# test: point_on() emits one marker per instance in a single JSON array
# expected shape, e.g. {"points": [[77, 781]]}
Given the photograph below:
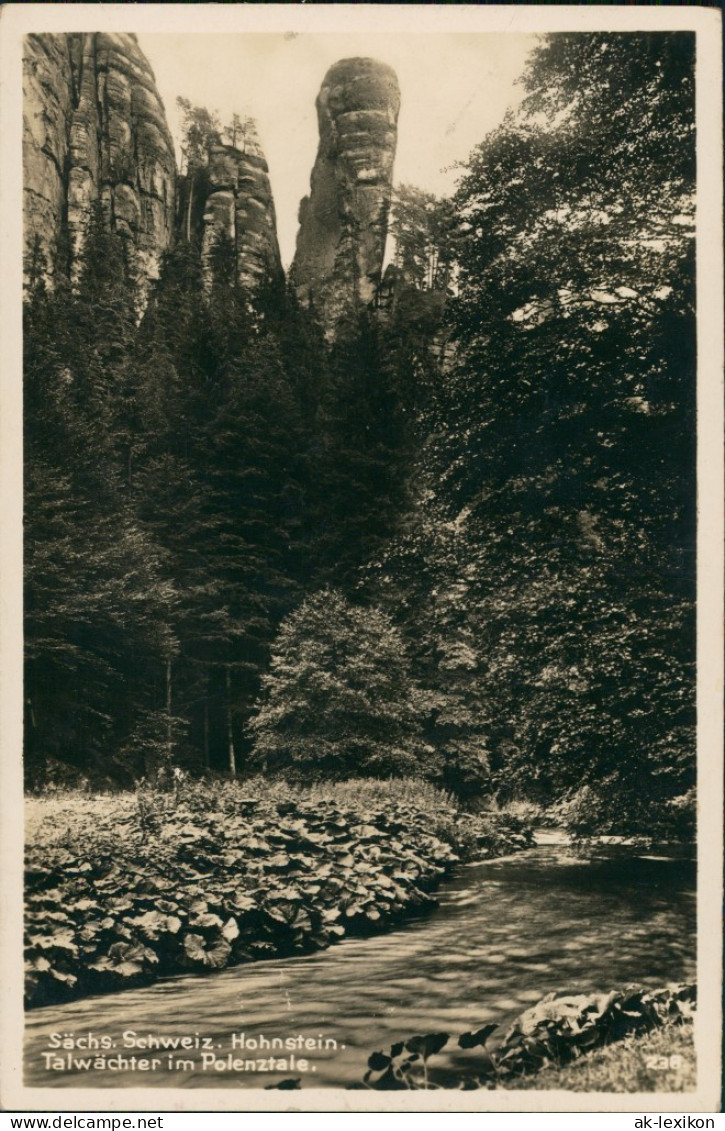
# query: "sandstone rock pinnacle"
{"points": [[94, 128], [239, 204], [343, 222]]}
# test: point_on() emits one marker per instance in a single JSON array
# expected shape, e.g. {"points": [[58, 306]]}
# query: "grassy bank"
{"points": [[661, 1061], [630, 1039], [122, 889]]}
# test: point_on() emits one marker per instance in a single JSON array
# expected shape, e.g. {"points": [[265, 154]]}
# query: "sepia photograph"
{"points": [[360, 732]]}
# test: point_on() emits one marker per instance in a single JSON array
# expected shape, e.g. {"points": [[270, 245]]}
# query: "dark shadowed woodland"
{"points": [[426, 515], [438, 524]]}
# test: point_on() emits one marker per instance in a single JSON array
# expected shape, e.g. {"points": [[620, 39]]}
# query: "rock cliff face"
{"points": [[237, 203], [95, 131], [47, 111], [94, 128], [343, 222]]}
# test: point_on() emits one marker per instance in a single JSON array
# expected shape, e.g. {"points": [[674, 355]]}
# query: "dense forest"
{"points": [[455, 542]]}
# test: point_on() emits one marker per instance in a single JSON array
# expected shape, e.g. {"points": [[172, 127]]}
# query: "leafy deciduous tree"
{"points": [[338, 700], [557, 529]]}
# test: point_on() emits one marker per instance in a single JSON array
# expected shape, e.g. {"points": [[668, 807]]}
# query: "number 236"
{"points": [[663, 1063]]}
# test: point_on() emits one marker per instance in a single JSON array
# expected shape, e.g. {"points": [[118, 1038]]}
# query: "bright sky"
{"points": [[454, 89]]}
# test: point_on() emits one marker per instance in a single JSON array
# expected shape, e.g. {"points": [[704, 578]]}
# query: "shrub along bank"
{"points": [[123, 890], [555, 1032], [662, 1060], [628, 1040]]}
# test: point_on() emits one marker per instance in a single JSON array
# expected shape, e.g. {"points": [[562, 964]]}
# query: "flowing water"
{"points": [[506, 932]]}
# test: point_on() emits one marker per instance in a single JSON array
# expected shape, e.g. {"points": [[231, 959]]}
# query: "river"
{"points": [[506, 932]]}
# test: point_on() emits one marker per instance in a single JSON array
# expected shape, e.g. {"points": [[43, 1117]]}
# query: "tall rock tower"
{"points": [[344, 220], [241, 197], [231, 196], [94, 129]]}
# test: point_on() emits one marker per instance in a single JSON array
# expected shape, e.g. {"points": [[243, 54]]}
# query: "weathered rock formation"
{"points": [[94, 129], [343, 222], [47, 111], [236, 197]]}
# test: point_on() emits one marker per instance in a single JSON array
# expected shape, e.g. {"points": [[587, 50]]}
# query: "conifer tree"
{"points": [[364, 432], [218, 485], [94, 596]]}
